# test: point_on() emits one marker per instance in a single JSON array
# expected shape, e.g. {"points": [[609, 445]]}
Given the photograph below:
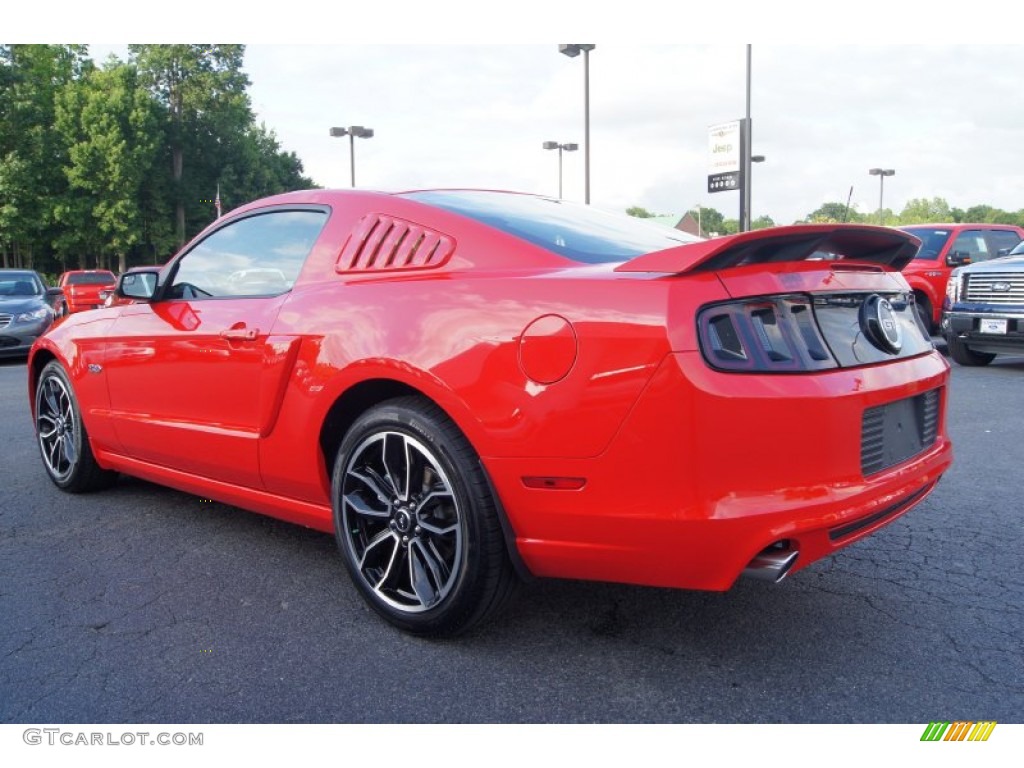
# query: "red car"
{"points": [[470, 386], [946, 246], [82, 289]]}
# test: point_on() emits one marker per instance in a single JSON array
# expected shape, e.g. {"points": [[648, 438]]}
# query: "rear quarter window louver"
{"points": [[388, 244]]}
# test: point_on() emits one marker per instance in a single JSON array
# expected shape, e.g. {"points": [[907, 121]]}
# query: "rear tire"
{"points": [[63, 441], [964, 355], [415, 521]]}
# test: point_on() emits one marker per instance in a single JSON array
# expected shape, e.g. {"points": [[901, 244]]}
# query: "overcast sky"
{"points": [[948, 118]]}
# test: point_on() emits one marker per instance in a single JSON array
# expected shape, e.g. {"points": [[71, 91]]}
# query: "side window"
{"points": [[259, 255], [1002, 241], [972, 243]]}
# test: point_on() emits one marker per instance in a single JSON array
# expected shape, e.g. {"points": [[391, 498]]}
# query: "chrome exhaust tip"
{"points": [[771, 565]]}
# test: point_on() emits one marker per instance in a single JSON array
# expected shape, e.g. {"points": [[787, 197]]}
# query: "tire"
{"points": [[63, 441], [964, 355], [415, 521], [924, 313]]}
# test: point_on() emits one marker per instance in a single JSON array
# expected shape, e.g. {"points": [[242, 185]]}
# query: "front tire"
{"points": [[964, 355], [415, 521], [63, 441], [924, 312]]}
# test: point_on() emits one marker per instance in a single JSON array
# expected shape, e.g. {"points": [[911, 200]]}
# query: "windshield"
{"points": [[574, 231], [932, 241], [19, 285]]}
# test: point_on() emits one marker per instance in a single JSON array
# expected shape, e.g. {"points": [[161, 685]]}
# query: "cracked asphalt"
{"points": [[145, 605]]}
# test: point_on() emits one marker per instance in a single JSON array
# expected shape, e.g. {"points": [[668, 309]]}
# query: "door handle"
{"points": [[240, 334]]}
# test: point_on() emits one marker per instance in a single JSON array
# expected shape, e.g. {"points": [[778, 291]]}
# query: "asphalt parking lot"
{"points": [[145, 605]]}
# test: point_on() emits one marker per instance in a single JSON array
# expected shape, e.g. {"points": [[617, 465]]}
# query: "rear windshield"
{"points": [[932, 241], [92, 278], [577, 232]]}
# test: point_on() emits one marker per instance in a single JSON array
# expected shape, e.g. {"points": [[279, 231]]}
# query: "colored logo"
{"points": [[959, 731]]}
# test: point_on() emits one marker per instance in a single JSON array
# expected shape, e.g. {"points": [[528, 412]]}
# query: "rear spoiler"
{"points": [[891, 248]]}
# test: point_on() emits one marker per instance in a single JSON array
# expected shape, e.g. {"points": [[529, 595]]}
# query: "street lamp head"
{"points": [[570, 147], [757, 158], [550, 145], [882, 171], [353, 130], [573, 49]]}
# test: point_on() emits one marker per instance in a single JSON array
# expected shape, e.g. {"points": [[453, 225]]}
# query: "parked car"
{"points": [[984, 310], [83, 288], [945, 246], [26, 310], [466, 385]]}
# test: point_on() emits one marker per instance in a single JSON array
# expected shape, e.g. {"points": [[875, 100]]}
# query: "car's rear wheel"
{"points": [[964, 355], [416, 522], [63, 441]]}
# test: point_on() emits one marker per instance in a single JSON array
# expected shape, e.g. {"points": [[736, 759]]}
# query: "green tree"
{"points": [[638, 212], [31, 155], [112, 128], [762, 222], [711, 221], [202, 88], [834, 213], [925, 211], [258, 167]]}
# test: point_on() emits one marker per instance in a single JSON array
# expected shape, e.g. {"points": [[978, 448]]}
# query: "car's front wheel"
{"points": [[63, 442], [416, 522], [964, 355]]}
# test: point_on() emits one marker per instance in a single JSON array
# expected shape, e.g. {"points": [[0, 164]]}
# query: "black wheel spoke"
{"points": [[358, 503]]}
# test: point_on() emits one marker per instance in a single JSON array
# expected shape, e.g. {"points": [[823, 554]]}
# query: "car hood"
{"points": [[14, 305], [1004, 264]]}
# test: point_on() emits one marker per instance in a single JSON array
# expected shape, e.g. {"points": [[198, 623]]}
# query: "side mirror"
{"points": [[957, 258], [1002, 252], [54, 296], [139, 285]]}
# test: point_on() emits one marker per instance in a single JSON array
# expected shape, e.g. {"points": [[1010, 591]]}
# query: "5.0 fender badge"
{"points": [[880, 325], [94, 368]]}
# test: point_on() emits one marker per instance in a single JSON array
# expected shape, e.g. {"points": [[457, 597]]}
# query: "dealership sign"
{"points": [[725, 141]]}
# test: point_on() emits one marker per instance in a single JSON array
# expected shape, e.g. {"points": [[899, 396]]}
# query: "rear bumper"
{"points": [[709, 469]]}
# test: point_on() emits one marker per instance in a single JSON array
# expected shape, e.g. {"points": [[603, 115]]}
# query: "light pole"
{"points": [[747, 142], [560, 147], [881, 173], [352, 131], [573, 50]]}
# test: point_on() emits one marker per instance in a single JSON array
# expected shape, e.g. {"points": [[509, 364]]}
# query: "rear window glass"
{"points": [[92, 278], [578, 232], [1003, 241]]}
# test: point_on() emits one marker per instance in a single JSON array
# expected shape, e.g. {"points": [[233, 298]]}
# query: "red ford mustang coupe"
{"points": [[467, 387]]}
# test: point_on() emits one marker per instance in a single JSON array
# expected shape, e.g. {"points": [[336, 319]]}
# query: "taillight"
{"points": [[777, 334]]}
